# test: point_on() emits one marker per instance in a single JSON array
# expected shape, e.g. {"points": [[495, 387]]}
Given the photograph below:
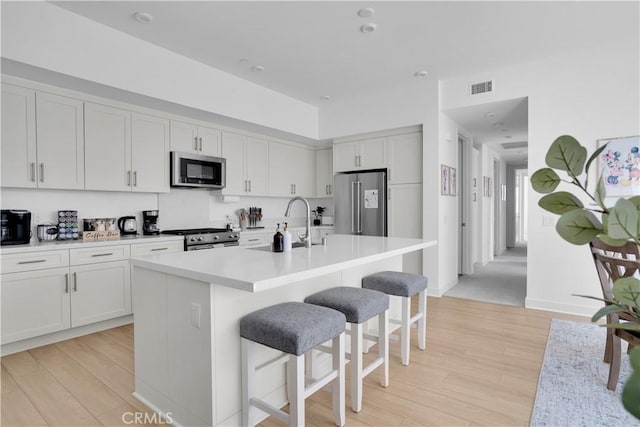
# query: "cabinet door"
{"points": [[256, 158], [60, 142], [324, 173], [345, 157], [282, 168], [100, 292], [149, 153], [406, 198], [107, 148], [233, 152], [304, 173], [405, 158], [18, 137], [372, 154], [184, 137], [209, 141], [34, 303]]}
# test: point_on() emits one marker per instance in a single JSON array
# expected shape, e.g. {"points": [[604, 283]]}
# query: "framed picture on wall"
{"points": [[444, 180], [619, 166], [452, 181]]}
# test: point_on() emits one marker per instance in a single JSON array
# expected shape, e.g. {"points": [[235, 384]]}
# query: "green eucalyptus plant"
{"points": [[579, 224]]}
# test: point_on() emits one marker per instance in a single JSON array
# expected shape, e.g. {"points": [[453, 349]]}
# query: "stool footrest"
{"points": [[318, 384], [373, 365], [283, 358], [270, 409]]}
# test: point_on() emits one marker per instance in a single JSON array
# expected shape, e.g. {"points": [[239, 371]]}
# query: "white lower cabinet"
{"points": [[34, 303], [253, 239], [404, 198]]}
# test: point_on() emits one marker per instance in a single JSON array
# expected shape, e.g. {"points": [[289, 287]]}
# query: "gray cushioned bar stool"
{"points": [[359, 305], [294, 328], [404, 285]]}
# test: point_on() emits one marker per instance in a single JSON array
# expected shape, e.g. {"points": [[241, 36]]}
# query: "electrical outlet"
{"points": [[195, 314]]}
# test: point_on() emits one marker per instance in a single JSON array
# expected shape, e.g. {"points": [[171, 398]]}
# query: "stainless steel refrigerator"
{"points": [[361, 203]]}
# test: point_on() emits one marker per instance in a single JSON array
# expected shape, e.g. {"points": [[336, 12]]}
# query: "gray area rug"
{"points": [[502, 281], [572, 389]]}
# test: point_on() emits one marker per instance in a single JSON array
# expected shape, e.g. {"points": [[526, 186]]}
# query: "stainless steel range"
{"points": [[206, 238]]}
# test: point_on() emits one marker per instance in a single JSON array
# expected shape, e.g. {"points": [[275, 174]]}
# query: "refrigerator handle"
{"points": [[359, 212], [352, 227]]}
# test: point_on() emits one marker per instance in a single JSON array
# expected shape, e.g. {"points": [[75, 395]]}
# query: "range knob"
{"points": [[192, 239], [216, 237], [200, 239]]}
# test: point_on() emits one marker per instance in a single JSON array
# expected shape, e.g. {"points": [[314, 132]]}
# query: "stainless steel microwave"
{"points": [[197, 171]]}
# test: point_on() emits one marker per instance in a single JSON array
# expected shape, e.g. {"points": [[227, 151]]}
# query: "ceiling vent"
{"points": [[512, 145], [482, 87]]}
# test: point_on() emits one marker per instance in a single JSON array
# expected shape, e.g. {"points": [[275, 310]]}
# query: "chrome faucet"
{"points": [[307, 239]]}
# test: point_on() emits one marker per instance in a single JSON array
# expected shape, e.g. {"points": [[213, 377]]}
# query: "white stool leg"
{"points": [[338, 384], [356, 366], [383, 346], [296, 389], [405, 329], [248, 374], [422, 322]]}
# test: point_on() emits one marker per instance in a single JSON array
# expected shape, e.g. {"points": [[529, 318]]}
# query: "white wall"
{"points": [[591, 94], [46, 36], [475, 207]]}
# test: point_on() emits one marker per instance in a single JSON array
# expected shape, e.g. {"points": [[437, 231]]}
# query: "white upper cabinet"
{"points": [[18, 137], [149, 153], [190, 138], [125, 151], [246, 163], [60, 142], [107, 148], [405, 158], [291, 171], [359, 155], [324, 173]]}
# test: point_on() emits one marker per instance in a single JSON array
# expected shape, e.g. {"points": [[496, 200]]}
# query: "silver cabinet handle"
{"points": [[200, 143], [249, 186], [135, 178], [326, 189], [32, 261], [33, 172], [359, 213], [352, 213], [128, 178], [330, 189], [253, 240], [159, 249], [105, 254], [294, 189], [75, 282], [41, 172], [66, 283], [195, 143]]}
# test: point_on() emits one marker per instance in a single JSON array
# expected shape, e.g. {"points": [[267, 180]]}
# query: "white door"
{"points": [[405, 220], [184, 137], [60, 142], [372, 153], [100, 292], [149, 153], [233, 152], [405, 158], [256, 157], [107, 148], [345, 157], [18, 150], [34, 303], [324, 173], [209, 141]]}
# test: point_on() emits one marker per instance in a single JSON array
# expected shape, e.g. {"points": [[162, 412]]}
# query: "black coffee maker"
{"points": [[150, 223], [15, 227]]}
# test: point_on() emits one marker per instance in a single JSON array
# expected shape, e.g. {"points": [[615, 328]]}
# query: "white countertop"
{"points": [[36, 246], [255, 270]]}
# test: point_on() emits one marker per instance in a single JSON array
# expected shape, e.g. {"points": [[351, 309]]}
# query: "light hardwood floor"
{"points": [[481, 367]]}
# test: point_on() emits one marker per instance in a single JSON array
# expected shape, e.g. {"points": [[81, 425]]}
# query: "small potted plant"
{"points": [[318, 215]]}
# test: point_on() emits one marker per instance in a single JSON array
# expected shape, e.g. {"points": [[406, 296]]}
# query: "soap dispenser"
{"points": [[287, 238], [278, 240]]}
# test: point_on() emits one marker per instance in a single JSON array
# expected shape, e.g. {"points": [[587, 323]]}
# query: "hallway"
{"points": [[501, 281]]}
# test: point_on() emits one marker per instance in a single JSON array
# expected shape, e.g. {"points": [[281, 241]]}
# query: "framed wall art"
{"points": [[444, 180], [619, 166], [452, 181]]}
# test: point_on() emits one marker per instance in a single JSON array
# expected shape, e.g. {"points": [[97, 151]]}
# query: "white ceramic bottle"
{"points": [[287, 238]]}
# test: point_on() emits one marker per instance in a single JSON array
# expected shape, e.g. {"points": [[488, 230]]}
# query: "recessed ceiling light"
{"points": [[421, 74], [325, 97], [489, 114], [366, 12], [244, 59], [257, 68], [368, 28], [142, 17], [508, 136]]}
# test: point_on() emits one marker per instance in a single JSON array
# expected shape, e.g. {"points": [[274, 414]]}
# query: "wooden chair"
{"points": [[613, 263]]}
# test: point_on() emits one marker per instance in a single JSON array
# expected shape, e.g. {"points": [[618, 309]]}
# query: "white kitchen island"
{"points": [[187, 308]]}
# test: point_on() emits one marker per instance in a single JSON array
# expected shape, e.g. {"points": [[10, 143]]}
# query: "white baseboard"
{"points": [[575, 309], [438, 292]]}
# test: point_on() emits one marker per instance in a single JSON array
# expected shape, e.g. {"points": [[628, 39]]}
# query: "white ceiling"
{"points": [[311, 49], [497, 125]]}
